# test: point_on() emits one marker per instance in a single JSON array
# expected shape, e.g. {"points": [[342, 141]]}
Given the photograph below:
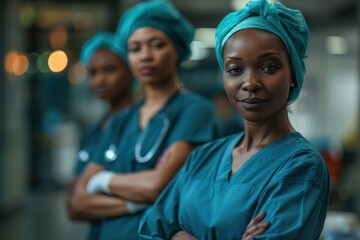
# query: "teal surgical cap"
{"points": [[288, 24], [161, 15], [100, 41]]}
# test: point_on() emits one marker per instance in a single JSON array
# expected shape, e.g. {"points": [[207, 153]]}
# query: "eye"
{"points": [[270, 68], [109, 69], [157, 45], [235, 70], [134, 49]]}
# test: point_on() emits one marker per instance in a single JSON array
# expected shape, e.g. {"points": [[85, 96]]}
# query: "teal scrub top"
{"points": [[287, 179], [88, 146], [186, 117]]}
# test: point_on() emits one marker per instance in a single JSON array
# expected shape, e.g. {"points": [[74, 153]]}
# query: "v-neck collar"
{"points": [[254, 162], [161, 110]]}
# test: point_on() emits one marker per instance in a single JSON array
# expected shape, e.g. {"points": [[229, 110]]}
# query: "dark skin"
{"points": [[153, 60], [110, 80], [257, 79]]}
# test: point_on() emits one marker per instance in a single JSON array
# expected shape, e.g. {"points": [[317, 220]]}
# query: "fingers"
{"points": [[256, 227], [257, 219]]}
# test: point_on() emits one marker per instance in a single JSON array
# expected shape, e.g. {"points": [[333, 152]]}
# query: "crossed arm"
{"points": [[254, 228], [140, 187]]}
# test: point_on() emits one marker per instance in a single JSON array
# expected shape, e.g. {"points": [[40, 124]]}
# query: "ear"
{"points": [[292, 81]]}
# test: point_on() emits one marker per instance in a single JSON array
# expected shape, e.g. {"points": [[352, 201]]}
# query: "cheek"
{"points": [[132, 60], [230, 85], [92, 83]]}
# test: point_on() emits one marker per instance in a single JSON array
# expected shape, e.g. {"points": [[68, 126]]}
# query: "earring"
{"points": [[292, 84]]}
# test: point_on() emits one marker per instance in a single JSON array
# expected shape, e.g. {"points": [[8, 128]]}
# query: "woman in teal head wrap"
{"points": [[145, 145], [110, 80], [269, 171], [160, 15]]}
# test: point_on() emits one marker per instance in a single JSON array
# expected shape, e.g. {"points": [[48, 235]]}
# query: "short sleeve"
{"points": [[196, 124], [88, 145], [296, 201]]}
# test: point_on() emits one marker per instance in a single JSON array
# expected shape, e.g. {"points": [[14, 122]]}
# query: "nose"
{"points": [[98, 79], [145, 53], [251, 81]]}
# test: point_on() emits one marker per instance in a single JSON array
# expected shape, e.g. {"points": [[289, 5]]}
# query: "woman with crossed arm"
{"points": [[127, 174]]}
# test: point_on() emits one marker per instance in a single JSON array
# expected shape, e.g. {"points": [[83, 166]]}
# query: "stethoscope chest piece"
{"points": [[83, 155], [110, 154]]}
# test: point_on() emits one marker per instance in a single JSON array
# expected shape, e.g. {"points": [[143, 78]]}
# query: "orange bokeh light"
{"points": [[57, 61]]}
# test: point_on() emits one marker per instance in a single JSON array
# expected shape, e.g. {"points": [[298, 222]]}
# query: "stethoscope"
{"points": [[111, 156], [83, 155]]}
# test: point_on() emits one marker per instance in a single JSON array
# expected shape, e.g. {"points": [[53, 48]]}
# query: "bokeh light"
{"points": [[16, 63], [27, 16], [42, 62], [57, 61], [58, 38], [9, 59], [20, 64], [77, 73]]}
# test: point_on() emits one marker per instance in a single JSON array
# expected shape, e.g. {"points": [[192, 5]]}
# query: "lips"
{"points": [[101, 92], [252, 100], [252, 103], [146, 70]]}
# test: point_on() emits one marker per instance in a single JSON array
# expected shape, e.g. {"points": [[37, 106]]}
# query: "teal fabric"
{"points": [[161, 15], [288, 24], [88, 146], [288, 179], [99, 41], [191, 120]]}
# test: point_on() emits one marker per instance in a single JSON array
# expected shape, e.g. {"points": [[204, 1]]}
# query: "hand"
{"points": [[182, 235], [100, 182], [134, 207], [256, 227]]}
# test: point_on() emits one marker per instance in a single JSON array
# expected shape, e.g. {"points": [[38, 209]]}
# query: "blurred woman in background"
{"points": [[110, 80], [147, 144]]}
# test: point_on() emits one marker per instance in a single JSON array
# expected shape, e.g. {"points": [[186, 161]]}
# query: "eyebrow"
{"points": [[147, 41], [259, 57], [268, 54]]}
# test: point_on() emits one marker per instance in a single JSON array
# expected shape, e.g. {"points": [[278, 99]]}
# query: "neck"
{"points": [[157, 96], [120, 104], [258, 135]]}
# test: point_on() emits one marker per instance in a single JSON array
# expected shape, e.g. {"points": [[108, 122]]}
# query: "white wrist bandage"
{"points": [[100, 182], [134, 207]]}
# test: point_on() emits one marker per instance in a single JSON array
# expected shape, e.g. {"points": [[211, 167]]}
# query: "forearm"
{"points": [[145, 186], [142, 187], [88, 207], [182, 235]]}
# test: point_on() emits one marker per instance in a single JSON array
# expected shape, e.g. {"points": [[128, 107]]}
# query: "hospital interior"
{"points": [[46, 104]]}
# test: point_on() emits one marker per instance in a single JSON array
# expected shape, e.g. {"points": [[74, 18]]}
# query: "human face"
{"points": [[110, 78], [257, 74], [152, 56]]}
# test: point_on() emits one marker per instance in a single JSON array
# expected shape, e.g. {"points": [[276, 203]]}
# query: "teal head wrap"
{"points": [[288, 24], [99, 41], [161, 15]]}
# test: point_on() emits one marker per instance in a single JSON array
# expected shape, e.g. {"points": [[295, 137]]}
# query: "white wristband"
{"points": [[134, 207], [100, 182]]}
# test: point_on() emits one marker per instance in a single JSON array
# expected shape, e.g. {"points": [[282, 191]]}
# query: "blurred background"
{"points": [[46, 103]]}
